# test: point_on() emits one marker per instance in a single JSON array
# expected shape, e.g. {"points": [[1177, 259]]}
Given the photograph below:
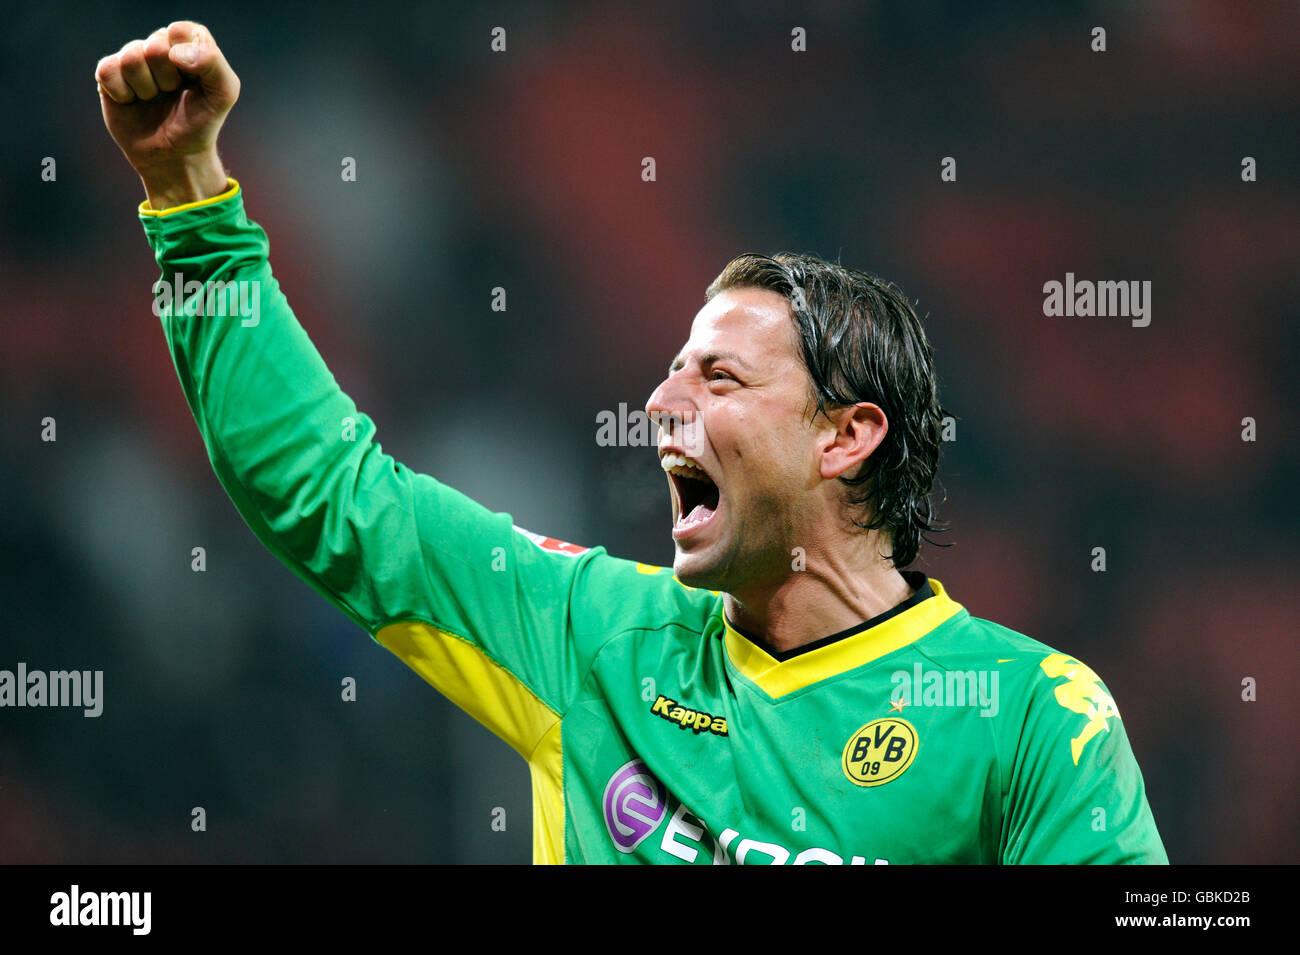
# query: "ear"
{"points": [[857, 431]]}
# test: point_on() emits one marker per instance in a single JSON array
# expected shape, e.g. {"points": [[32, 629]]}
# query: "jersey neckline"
{"points": [[780, 673]]}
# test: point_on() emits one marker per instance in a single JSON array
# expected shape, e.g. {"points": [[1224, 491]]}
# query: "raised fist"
{"points": [[164, 100]]}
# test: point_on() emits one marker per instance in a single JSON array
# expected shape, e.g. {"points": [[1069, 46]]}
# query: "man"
{"points": [[789, 694]]}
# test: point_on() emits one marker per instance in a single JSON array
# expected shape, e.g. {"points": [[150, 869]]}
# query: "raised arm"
{"points": [[504, 626]]}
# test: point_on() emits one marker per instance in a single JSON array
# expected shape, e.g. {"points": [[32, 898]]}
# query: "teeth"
{"points": [[680, 464]]}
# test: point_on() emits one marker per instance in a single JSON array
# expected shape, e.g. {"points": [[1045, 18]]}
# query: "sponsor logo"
{"points": [[1081, 693], [635, 802], [636, 805], [685, 836], [880, 752], [697, 720]]}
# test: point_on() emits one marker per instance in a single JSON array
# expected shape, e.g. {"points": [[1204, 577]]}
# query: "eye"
{"points": [[719, 375]]}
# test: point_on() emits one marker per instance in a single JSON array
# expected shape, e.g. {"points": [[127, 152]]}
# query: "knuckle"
{"points": [[132, 54], [179, 31], [182, 30], [156, 47]]}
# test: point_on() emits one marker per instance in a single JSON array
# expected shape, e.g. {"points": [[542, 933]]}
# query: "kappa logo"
{"points": [[697, 720], [1082, 693], [880, 752]]}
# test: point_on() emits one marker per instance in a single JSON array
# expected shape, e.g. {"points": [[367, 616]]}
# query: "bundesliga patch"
{"points": [[553, 544], [880, 752], [635, 803]]}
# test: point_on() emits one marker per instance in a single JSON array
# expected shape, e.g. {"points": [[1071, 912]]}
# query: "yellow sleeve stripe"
{"points": [[493, 695], [547, 766], [233, 189]]}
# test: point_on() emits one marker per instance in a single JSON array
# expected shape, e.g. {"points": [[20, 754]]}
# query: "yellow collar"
{"points": [[777, 678]]}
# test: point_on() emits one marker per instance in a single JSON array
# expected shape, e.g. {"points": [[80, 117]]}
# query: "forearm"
{"points": [[289, 446], [299, 461], [177, 182]]}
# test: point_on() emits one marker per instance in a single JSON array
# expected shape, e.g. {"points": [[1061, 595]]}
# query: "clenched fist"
{"points": [[164, 100]]}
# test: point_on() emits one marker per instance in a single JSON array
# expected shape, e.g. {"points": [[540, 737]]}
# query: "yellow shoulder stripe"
{"points": [[496, 698]]}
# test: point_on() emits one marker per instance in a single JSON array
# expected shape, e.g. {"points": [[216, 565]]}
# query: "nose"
{"points": [[667, 404]]}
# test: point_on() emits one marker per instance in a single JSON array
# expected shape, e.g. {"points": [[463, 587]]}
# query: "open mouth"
{"points": [[696, 495]]}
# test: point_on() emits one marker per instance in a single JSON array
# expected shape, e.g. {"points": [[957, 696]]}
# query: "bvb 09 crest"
{"points": [[880, 752]]}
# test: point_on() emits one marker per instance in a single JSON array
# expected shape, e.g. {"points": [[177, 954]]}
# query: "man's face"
{"points": [[741, 388]]}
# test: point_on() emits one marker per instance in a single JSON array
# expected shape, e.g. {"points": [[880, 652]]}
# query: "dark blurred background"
{"points": [[523, 170]]}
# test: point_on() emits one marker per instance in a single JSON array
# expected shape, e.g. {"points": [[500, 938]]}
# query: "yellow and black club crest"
{"points": [[880, 752]]}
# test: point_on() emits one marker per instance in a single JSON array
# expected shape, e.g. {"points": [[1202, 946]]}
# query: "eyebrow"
{"points": [[711, 358]]}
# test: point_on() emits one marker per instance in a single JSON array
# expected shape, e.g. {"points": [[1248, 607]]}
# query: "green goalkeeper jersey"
{"points": [[654, 730]]}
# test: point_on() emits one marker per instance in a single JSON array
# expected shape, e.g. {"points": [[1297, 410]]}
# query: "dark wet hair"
{"points": [[862, 341]]}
